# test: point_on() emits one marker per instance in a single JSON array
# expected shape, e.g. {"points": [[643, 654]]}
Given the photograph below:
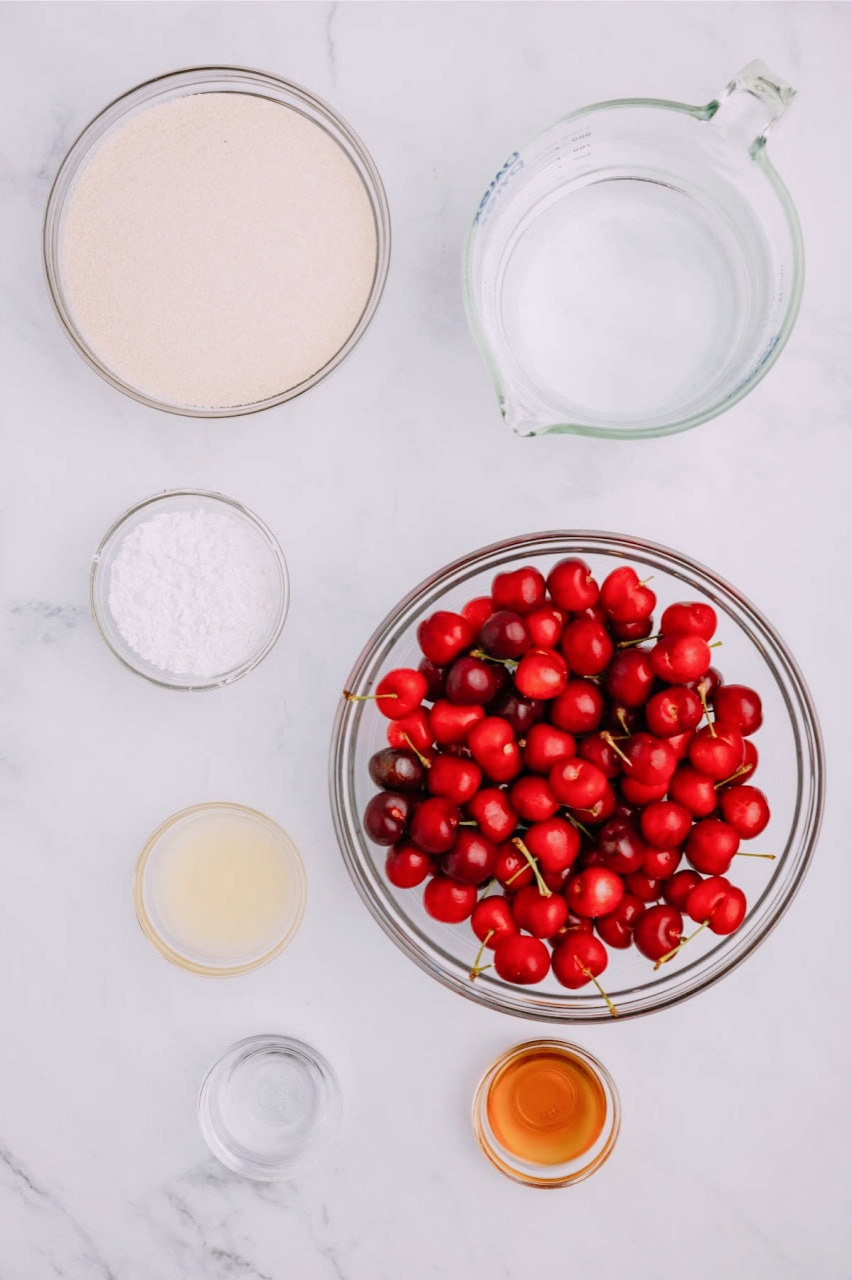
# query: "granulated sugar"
{"points": [[190, 592], [218, 249]]}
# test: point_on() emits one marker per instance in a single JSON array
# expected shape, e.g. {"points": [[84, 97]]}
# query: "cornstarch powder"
{"points": [[217, 250], [190, 592]]}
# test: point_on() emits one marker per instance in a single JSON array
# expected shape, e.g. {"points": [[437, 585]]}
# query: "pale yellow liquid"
{"points": [[222, 887]]}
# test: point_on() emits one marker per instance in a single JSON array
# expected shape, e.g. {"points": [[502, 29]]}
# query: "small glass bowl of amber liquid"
{"points": [[546, 1113]]}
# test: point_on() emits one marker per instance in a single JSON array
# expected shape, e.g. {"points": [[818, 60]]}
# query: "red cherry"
{"points": [[450, 723], [729, 912], [400, 692], [745, 809], [555, 843], [539, 915], [413, 731], [665, 823], [434, 677], [512, 869], [595, 891], [616, 929], [434, 826], [587, 646], [493, 814], [694, 790], [541, 674], [630, 677], [679, 886], [672, 711], [578, 959], [521, 590], [711, 846], [659, 864], [493, 915], [740, 706], [705, 897], [406, 866], [621, 846], [631, 630], [599, 750], [644, 887], [579, 707], [443, 636], [476, 611], [640, 793], [545, 746], [472, 858], [577, 783], [651, 761], [679, 743], [658, 931], [692, 618], [749, 761], [386, 816], [472, 681], [716, 750], [532, 799], [572, 586], [449, 900], [521, 713], [546, 625], [493, 746], [521, 959], [396, 770], [678, 659], [456, 779], [624, 598], [600, 811], [505, 634], [707, 685], [573, 924]]}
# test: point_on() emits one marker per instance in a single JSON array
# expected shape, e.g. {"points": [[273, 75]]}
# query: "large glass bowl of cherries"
{"points": [[576, 776]]}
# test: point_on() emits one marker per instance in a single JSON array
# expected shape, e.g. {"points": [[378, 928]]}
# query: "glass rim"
{"points": [[676, 985], [283, 583], [149, 929], [194, 79]]}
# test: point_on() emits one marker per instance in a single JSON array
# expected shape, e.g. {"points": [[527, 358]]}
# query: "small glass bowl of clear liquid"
{"points": [[637, 268]]}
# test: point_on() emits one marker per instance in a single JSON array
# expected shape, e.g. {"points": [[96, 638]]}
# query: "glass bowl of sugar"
{"points": [[216, 241], [189, 589]]}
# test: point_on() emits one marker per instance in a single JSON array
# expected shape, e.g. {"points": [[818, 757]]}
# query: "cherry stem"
{"points": [[703, 696], [610, 741], [522, 848], [427, 764], [742, 853], [477, 969], [643, 581], [578, 824], [744, 768], [489, 657], [717, 644], [366, 697], [622, 720], [467, 822], [486, 887], [681, 943], [609, 1003], [626, 644]]}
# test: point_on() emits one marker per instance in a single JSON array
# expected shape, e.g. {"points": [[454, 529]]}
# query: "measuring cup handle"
{"points": [[751, 104]]}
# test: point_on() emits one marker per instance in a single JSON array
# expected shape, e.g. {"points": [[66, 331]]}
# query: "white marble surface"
{"points": [[734, 1156]]}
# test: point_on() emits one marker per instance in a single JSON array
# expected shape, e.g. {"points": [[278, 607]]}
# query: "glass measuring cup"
{"points": [[636, 268]]}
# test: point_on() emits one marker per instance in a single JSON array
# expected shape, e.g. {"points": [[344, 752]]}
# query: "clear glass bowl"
{"points": [[180, 84], [270, 1107], [637, 268], [269, 554], [546, 1176], [790, 772]]}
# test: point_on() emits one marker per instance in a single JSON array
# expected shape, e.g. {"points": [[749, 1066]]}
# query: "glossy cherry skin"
{"points": [[595, 891], [434, 677], [546, 625], [658, 931], [730, 912], [493, 746], [521, 959], [621, 845], [521, 713], [471, 859], [505, 634], [644, 887], [512, 869], [520, 590], [640, 793], [532, 799], [555, 843], [407, 866], [625, 598], [587, 647], [679, 886], [689, 618], [472, 681], [545, 745], [740, 706], [541, 674], [579, 707], [659, 864], [493, 915], [443, 636], [539, 915], [577, 783], [703, 899], [673, 711], [749, 761], [413, 731], [651, 760], [677, 659], [597, 749], [630, 678], [639, 630], [400, 692], [572, 586], [745, 809], [396, 769], [665, 823], [578, 958], [386, 816], [616, 929], [694, 790], [434, 825], [679, 743], [493, 814], [711, 846], [449, 900], [451, 723], [716, 750], [456, 779]]}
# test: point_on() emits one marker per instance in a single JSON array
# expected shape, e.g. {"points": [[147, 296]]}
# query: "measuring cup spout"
{"points": [[750, 105], [526, 415]]}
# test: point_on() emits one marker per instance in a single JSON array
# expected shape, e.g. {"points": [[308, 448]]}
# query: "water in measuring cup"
{"points": [[626, 299]]}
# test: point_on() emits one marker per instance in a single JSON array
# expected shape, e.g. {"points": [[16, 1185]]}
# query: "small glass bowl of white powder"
{"points": [[189, 589]]}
